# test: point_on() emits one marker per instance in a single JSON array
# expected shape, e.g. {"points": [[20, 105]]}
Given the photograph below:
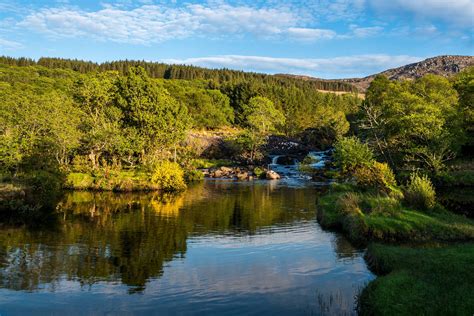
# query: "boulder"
{"points": [[242, 175], [272, 175], [226, 170], [217, 174]]}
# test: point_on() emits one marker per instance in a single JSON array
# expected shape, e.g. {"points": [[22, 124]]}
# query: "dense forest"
{"points": [[167, 71]]}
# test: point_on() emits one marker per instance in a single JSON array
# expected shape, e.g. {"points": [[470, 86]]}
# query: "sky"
{"points": [[320, 38]]}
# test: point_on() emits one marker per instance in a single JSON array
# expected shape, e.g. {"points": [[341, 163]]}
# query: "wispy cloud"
{"points": [[458, 13], [337, 67], [309, 34], [157, 23], [7, 45], [149, 24]]}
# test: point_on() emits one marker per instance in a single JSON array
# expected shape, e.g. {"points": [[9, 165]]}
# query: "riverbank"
{"points": [[366, 217], [415, 278]]}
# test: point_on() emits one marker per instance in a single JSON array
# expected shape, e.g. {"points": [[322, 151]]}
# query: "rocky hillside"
{"points": [[441, 65]]}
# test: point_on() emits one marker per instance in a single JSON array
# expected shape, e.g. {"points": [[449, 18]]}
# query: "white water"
{"points": [[320, 158], [288, 172]]}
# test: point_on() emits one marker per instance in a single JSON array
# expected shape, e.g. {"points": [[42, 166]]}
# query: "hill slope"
{"points": [[440, 65]]}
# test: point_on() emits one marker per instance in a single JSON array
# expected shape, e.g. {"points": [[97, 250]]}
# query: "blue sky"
{"points": [[322, 38]]}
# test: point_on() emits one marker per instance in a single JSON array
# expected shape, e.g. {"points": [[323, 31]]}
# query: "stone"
{"points": [[217, 174], [242, 175], [225, 170], [272, 175]]}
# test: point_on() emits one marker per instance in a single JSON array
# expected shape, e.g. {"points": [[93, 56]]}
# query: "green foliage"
{"points": [[193, 176], [261, 118], [261, 115], [350, 153], [413, 124], [245, 145], [158, 117], [378, 176], [209, 109], [464, 85], [420, 192], [168, 176], [210, 163], [259, 172]]}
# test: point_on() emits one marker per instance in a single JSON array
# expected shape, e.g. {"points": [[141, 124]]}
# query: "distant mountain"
{"points": [[440, 65]]}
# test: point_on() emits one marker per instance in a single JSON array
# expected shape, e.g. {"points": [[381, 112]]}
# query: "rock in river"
{"points": [[272, 175]]}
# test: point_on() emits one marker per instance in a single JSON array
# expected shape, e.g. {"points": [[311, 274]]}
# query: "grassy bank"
{"points": [[420, 281], [417, 279], [367, 217], [120, 181]]}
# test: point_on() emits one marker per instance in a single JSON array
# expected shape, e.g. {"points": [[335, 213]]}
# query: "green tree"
{"points": [[464, 85], [413, 124], [103, 132], [159, 119], [261, 118]]}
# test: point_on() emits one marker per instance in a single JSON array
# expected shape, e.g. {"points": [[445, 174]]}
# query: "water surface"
{"points": [[221, 247]]}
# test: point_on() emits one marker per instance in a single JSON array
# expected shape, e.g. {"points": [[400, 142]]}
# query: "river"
{"points": [[221, 247]]}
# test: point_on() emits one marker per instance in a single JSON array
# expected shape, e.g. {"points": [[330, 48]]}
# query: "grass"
{"points": [[375, 217], [122, 181], [416, 278], [420, 281], [211, 163]]}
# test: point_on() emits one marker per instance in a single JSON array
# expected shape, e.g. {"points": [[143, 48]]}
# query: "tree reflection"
{"points": [[130, 237]]}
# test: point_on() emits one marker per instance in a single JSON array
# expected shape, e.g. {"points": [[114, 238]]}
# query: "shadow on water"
{"points": [[219, 244]]}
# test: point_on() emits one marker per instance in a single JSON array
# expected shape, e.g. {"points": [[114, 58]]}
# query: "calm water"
{"points": [[219, 248]]}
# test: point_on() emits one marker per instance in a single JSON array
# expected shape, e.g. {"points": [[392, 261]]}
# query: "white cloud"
{"points": [[308, 34], [454, 12], [6, 45], [157, 23], [365, 31], [337, 67]]}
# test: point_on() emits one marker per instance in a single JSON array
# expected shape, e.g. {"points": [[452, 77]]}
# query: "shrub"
{"points": [[348, 203], [169, 176], [259, 172], [350, 153], [79, 181], [420, 193], [81, 164], [378, 176]]}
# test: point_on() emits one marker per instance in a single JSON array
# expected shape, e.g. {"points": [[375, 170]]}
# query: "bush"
{"points": [[350, 153], [169, 176], [420, 193], [259, 172], [378, 176], [348, 203]]}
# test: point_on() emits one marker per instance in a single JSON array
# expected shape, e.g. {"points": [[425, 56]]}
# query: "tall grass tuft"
{"points": [[420, 193]]}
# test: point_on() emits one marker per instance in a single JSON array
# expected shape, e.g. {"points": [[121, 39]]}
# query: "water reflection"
{"points": [[220, 246]]}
